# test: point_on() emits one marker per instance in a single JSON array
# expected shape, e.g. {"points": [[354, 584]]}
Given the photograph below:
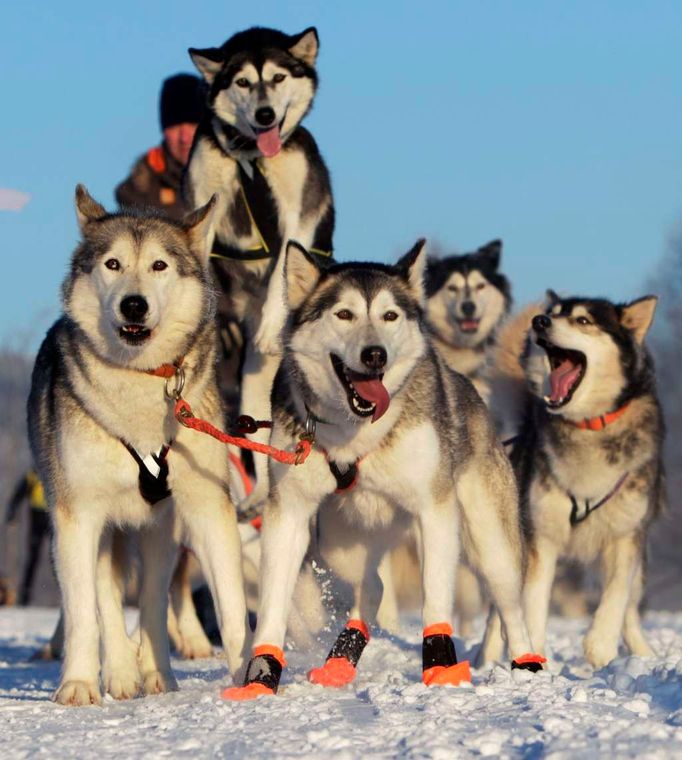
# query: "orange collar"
{"points": [[600, 422], [166, 370]]}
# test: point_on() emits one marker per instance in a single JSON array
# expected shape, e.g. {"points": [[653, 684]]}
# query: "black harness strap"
{"points": [[153, 488], [344, 480], [261, 206], [575, 520]]}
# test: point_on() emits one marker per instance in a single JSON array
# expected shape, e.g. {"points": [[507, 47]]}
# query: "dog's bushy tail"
{"points": [[508, 390]]}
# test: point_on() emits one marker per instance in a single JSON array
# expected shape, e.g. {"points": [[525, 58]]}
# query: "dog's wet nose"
{"points": [[134, 308], [374, 357], [468, 308], [265, 116], [541, 323]]}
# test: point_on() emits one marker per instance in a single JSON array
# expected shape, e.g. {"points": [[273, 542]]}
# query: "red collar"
{"points": [[600, 422], [166, 370]]}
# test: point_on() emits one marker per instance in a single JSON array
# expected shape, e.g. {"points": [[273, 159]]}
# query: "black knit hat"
{"points": [[182, 100]]}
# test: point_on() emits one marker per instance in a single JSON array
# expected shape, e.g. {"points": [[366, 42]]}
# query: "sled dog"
{"points": [[273, 185], [468, 297], [138, 328], [588, 460], [407, 437]]}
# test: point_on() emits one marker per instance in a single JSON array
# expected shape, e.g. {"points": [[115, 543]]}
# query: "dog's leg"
{"points": [[158, 550], [537, 592], [192, 641], [284, 540], [492, 646], [619, 565], [76, 544], [120, 670], [490, 508], [388, 615], [439, 536], [632, 627], [211, 527], [469, 600], [258, 376]]}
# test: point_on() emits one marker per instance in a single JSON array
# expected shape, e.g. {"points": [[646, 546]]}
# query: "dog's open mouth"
{"points": [[567, 371], [134, 334], [269, 139], [366, 394], [468, 325]]}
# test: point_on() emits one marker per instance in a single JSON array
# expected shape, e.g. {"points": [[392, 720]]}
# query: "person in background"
{"points": [[30, 489], [156, 177]]}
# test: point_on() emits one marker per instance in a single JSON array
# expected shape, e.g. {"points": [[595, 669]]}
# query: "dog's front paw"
{"points": [[268, 340], [122, 682], [195, 647], [598, 650], [156, 682], [77, 694]]}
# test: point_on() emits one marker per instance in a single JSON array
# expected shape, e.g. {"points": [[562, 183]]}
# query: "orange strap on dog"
{"points": [[273, 651], [529, 657], [438, 629], [185, 416], [602, 421]]}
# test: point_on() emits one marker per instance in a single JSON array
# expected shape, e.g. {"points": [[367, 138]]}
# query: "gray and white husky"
{"points": [[360, 376], [273, 185], [588, 460], [138, 308], [468, 297]]}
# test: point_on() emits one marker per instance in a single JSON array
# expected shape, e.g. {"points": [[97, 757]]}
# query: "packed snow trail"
{"points": [[633, 708]]}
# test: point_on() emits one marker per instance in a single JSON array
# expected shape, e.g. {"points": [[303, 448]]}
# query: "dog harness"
{"points": [[576, 518], [261, 205]]}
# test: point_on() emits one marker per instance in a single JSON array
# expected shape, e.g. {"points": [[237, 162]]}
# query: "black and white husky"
{"points": [[273, 186], [138, 325], [468, 297], [406, 437], [588, 459]]}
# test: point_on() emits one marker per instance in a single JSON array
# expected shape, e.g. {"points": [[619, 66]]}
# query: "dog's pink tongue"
{"points": [[269, 142], [562, 378], [372, 390]]}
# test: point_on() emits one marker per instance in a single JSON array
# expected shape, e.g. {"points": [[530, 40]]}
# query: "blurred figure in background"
{"points": [[156, 177], [30, 489]]}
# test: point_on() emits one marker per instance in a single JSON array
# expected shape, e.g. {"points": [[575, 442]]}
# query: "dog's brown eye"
{"points": [[113, 264], [583, 321], [452, 288], [390, 316], [344, 314], [279, 78], [480, 286], [159, 266], [242, 82]]}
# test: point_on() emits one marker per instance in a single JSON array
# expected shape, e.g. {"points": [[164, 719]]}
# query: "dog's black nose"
{"points": [[134, 308], [468, 308], [374, 357], [541, 323], [265, 116]]}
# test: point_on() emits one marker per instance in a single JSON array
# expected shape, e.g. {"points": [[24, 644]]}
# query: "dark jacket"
{"points": [[154, 181]]}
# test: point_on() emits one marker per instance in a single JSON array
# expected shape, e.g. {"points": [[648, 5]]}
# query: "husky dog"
{"points": [[588, 460], [360, 378], [138, 308], [273, 186], [467, 299]]}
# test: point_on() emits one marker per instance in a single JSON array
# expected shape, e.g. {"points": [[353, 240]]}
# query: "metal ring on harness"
{"points": [[310, 426], [179, 381]]}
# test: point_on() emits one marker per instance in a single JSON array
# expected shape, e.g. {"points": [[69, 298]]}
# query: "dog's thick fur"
{"points": [[559, 464], [257, 70], [432, 455], [91, 395]]}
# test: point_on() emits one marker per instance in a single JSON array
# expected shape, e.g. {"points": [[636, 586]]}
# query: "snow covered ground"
{"points": [[631, 709]]}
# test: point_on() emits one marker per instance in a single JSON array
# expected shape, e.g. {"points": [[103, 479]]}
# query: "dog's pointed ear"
{"points": [[638, 316], [412, 267], [199, 227], [208, 61], [552, 298], [87, 208], [305, 46], [301, 273], [491, 253]]}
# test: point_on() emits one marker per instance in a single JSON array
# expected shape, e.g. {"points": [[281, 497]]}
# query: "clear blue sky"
{"points": [[556, 126]]}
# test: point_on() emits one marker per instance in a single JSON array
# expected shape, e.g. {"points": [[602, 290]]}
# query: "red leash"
{"points": [[185, 416]]}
